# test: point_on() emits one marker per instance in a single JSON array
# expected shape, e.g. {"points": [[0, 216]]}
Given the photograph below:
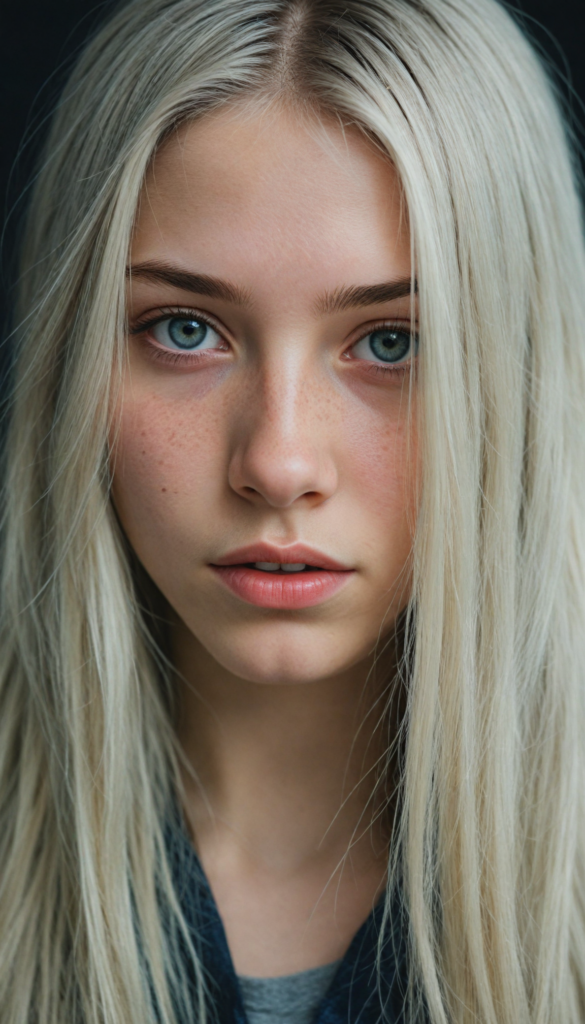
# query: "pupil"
{"points": [[187, 333], [391, 346]]}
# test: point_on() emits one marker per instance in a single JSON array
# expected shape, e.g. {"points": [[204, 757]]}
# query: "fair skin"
{"points": [[282, 427]]}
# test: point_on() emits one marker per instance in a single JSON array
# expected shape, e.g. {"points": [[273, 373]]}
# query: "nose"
{"points": [[283, 444]]}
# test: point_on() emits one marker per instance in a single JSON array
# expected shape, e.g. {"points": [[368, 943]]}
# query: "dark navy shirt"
{"points": [[357, 994]]}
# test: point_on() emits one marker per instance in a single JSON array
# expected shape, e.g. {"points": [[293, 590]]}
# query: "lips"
{"points": [[294, 554], [280, 583]]}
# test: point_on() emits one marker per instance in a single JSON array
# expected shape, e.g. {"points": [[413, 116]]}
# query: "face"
{"points": [[264, 456]]}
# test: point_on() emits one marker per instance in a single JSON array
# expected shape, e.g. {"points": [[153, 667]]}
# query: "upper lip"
{"points": [[295, 553]]}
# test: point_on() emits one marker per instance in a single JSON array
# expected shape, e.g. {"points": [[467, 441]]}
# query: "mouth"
{"points": [[284, 567], [285, 579]]}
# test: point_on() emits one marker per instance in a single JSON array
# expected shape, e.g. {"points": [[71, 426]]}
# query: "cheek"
{"points": [[382, 448], [170, 476], [384, 469], [164, 458]]}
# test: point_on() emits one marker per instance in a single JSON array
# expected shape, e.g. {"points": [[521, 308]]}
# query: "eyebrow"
{"points": [[348, 297], [199, 284], [355, 296]]}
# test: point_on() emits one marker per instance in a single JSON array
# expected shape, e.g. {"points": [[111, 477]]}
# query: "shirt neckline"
{"points": [[356, 993]]}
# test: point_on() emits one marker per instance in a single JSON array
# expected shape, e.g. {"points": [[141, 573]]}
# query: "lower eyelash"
{"points": [[396, 371], [171, 356]]}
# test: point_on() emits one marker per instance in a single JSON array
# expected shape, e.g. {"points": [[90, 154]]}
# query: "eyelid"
{"points": [[409, 326], [146, 321]]}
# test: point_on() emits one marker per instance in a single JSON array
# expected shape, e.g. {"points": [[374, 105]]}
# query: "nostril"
{"points": [[279, 480]]}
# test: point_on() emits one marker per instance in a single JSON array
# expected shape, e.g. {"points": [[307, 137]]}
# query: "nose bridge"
{"points": [[286, 389], [282, 451]]}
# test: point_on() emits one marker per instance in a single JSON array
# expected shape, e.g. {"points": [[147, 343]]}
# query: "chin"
{"points": [[285, 654]]}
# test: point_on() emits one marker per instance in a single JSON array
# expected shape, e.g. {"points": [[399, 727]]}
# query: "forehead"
{"points": [[244, 191]]}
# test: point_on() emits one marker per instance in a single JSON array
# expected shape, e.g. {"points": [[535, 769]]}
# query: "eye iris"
{"points": [[390, 345], [186, 333]]}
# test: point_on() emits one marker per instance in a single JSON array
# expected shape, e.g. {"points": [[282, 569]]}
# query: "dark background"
{"points": [[39, 40]]}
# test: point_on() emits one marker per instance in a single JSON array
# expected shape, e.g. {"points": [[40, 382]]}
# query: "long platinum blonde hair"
{"points": [[489, 845]]}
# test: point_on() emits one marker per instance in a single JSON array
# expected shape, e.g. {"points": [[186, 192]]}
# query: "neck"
{"points": [[281, 774]]}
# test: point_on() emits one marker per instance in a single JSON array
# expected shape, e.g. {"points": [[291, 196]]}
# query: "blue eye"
{"points": [[387, 345], [186, 333]]}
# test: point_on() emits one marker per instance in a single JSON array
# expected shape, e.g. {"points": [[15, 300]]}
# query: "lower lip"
{"points": [[280, 590]]}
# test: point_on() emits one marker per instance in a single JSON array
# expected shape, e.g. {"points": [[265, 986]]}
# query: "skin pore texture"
{"points": [[282, 428]]}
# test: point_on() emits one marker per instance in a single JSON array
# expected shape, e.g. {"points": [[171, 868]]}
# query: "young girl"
{"points": [[292, 598]]}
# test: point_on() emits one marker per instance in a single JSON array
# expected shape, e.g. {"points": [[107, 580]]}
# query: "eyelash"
{"points": [[378, 369], [173, 358], [170, 356]]}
